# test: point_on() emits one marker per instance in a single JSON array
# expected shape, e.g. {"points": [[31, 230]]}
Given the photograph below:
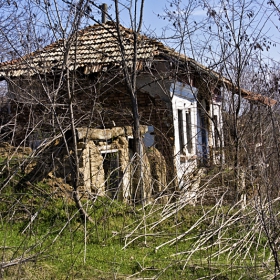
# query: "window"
{"points": [[189, 131], [204, 135], [216, 131], [111, 171], [149, 138], [181, 130]]}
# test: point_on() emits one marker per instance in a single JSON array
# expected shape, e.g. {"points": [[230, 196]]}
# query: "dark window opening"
{"points": [[112, 173], [216, 131], [131, 144], [204, 137], [181, 130], [189, 131]]}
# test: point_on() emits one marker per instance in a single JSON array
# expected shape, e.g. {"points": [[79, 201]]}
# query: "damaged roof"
{"points": [[92, 48], [98, 46]]}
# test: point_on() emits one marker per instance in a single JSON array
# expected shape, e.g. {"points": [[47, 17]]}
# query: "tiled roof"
{"points": [[97, 46], [94, 47]]}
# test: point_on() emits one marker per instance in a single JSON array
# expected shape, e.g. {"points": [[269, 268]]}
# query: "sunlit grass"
{"points": [[49, 230]]}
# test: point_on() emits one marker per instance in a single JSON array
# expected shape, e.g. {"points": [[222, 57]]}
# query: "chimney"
{"points": [[104, 9]]}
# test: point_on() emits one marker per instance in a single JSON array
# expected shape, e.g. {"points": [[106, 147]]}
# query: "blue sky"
{"points": [[151, 10], [155, 25]]}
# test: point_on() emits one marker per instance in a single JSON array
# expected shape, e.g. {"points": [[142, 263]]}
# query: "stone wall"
{"points": [[97, 146]]}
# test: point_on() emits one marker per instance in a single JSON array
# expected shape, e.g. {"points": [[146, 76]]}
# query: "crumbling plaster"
{"points": [[92, 143]]}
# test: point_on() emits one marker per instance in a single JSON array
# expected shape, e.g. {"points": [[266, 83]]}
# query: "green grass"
{"points": [[64, 247], [37, 222], [42, 224]]}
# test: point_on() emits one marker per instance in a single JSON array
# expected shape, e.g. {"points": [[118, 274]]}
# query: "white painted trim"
{"points": [[109, 151]]}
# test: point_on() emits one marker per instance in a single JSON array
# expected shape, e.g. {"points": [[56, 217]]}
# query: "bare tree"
{"points": [[130, 74], [230, 40]]}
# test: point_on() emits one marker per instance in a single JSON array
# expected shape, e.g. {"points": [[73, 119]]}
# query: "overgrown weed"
{"points": [[195, 242]]}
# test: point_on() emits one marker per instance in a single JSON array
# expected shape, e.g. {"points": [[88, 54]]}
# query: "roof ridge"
{"points": [[79, 33]]}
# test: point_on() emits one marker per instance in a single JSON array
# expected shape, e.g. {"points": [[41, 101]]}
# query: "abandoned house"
{"points": [[179, 103]]}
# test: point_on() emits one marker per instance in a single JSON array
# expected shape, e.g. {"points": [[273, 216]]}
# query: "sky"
{"points": [[151, 11], [155, 25]]}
